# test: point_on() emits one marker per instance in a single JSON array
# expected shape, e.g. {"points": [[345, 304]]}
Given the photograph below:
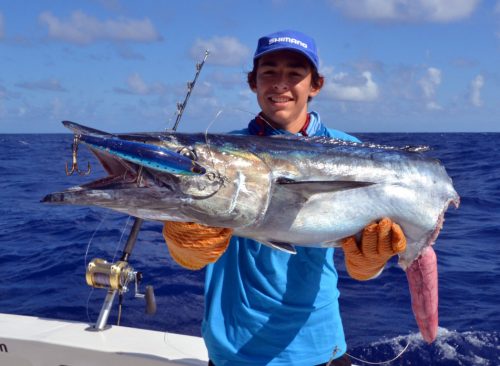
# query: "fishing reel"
{"points": [[117, 277]]}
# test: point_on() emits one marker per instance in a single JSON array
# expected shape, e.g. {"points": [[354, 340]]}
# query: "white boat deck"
{"points": [[32, 341]]}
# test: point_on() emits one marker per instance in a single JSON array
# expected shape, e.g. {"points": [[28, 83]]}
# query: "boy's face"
{"points": [[283, 86]]}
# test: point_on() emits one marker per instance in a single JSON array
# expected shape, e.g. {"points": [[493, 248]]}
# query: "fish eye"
{"points": [[188, 152]]}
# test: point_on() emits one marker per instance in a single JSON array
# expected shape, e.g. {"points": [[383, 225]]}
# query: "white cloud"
{"points": [[429, 84], [136, 85], [1, 26], [475, 91], [342, 87], [407, 10], [81, 28], [21, 111], [57, 108], [225, 51], [433, 106]]}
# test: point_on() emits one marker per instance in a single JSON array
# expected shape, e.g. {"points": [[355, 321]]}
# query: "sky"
{"points": [[123, 65]]}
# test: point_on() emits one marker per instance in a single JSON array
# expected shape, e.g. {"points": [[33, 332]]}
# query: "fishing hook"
{"points": [[74, 165]]}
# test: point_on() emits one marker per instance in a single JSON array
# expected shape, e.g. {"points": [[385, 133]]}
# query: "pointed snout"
{"points": [[147, 155]]}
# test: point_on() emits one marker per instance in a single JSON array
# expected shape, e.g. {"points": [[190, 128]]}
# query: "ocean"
{"points": [[44, 250]]}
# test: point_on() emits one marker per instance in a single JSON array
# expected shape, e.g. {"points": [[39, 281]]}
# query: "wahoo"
{"points": [[280, 190]]}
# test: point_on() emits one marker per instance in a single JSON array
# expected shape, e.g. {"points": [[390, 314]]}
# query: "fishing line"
{"points": [[268, 123], [207, 142], [255, 116], [88, 306], [85, 260], [219, 112], [170, 119], [375, 363], [121, 238], [92, 238], [244, 111]]}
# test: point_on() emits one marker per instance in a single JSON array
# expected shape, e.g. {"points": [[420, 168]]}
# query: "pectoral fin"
{"points": [[308, 188], [284, 247]]}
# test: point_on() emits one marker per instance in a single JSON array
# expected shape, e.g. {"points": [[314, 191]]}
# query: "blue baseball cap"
{"points": [[288, 40]]}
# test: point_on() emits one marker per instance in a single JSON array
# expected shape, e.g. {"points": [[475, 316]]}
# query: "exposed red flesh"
{"points": [[423, 282]]}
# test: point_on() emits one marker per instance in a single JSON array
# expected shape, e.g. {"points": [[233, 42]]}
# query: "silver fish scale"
{"points": [[306, 191], [412, 189]]}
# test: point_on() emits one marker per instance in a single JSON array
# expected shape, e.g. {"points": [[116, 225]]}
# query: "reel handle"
{"points": [[150, 301]]}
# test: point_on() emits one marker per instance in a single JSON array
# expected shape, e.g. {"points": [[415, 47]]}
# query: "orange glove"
{"points": [[192, 245], [379, 242]]}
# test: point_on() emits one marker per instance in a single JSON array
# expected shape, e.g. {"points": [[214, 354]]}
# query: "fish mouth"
{"points": [[130, 163], [122, 176]]}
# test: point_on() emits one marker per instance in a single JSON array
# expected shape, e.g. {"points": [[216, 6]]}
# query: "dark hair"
{"points": [[316, 78]]}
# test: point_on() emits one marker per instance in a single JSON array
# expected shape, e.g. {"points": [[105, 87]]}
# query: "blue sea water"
{"points": [[44, 250]]}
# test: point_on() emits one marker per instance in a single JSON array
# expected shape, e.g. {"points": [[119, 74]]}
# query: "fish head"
{"points": [[171, 176]]}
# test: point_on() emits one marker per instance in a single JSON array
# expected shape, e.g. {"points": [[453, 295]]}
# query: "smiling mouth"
{"points": [[276, 99]]}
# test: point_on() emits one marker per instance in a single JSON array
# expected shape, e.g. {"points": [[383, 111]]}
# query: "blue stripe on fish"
{"points": [[148, 155]]}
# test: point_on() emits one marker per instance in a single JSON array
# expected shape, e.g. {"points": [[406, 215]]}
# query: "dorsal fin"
{"points": [[83, 130]]}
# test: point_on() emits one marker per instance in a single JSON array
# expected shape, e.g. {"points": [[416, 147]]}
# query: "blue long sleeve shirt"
{"points": [[267, 307]]}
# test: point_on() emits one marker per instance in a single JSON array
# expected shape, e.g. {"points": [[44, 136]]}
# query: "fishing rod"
{"points": [[180, 110], [117, 276], [190, 86]]}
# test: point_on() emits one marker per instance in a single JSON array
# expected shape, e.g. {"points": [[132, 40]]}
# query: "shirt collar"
{"points": [[312, 127]]}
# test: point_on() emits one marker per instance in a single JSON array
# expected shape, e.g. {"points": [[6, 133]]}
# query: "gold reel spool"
{"points": [[116, 276]]}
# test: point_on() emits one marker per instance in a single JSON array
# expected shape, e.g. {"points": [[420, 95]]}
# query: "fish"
{"points": [[283, 191]]}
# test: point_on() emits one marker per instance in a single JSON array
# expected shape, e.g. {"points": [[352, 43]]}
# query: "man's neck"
{"points": [[300, 125]]}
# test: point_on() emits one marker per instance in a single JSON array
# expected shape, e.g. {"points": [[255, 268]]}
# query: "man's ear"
{"points": [[253, 86], [316, 87], [252, 80]]}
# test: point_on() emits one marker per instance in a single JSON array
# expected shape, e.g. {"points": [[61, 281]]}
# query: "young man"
{"points": [[264, 306]]}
